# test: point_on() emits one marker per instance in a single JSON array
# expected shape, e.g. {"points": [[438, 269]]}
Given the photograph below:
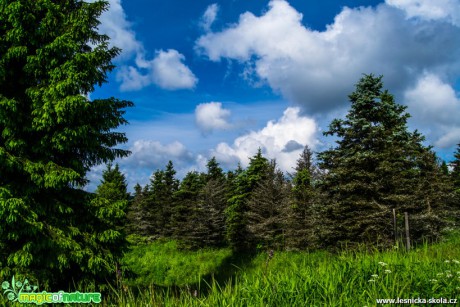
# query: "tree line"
{"points": [[345, 195]]}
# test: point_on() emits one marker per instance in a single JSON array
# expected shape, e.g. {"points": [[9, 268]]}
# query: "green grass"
{"points": [[170, 277], [162, 264], [308, 279]]}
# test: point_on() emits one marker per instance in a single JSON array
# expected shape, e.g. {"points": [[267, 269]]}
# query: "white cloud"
{"points": [[451, 138], [166, 70], [276, 140], [115, 24], [448, 10], [319, 68], [435, 105], [212, 116], [153, 154], [209, 16], [131, 79]]}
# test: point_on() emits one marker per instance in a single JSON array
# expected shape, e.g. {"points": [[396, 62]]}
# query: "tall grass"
{"points": [[350, 278]]}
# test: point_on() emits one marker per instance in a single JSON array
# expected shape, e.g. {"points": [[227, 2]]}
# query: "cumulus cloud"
{"points": [[211, 116], [131, 79], [209, 16], [115, 24], [153, 154], [317, 69], [435, 105], [166, 70], [282, 140], [448, 10]]}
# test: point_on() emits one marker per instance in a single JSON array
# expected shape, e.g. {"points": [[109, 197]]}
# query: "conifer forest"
{"points": [[375, 216]]}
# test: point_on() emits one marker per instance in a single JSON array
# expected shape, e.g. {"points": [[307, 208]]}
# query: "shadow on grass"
{"points": [[225, 274]]}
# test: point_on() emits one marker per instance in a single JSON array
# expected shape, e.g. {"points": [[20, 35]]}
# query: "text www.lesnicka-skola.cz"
{"points": [[441, 300]]}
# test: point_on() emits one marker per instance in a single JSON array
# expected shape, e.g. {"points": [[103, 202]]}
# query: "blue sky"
{"points": [[223, 78]]}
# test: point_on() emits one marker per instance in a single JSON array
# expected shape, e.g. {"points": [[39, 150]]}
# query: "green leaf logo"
{"points": [[16, 287]]}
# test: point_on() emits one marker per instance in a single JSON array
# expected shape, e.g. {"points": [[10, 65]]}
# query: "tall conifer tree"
{"points": [[138, 221], [302, 214], [185, 211], [266, 210], [111, 203], [243, 185], [375, 167], [160, 199], [51, 134], [212, 204]]}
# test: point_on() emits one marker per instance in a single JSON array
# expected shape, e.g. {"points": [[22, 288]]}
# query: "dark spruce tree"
{"points": [[302, 214], [185, 214], [266, 210], [160, 201], [51, 134], [242, 185], [377, 166], [204, 205], [433, 192], [211, 207], [138, 225]]}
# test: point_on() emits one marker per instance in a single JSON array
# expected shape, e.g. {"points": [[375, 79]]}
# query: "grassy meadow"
{"points": [[164, 276], [159, 274]]}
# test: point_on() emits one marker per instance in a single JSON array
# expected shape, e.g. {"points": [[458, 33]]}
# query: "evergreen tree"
{"points": [[111, 203], [113, 186], [51, 134], [184, 212], [160, 200], [209, 218], [266, 209], [214, 171], [138, 221], [244, 183], [375, 167], [433, 194], [444, 168], [302, 214]]}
